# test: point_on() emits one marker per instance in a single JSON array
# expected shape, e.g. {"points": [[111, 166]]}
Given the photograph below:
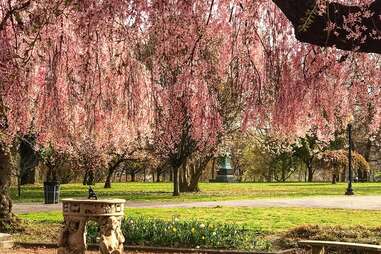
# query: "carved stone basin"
{"points": [[77, 212], [93, 208]]}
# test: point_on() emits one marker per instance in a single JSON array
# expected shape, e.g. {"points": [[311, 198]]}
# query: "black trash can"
{"points": [[51, 192]]}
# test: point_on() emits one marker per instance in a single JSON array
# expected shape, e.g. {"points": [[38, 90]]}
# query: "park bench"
{"points": [[318, 247]]}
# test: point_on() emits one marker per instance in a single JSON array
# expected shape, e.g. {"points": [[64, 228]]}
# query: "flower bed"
{"points": [[188, 234]]}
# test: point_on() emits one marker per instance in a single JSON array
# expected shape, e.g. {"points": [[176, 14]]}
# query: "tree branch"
{"points": [[310, 27], [10, 12]]}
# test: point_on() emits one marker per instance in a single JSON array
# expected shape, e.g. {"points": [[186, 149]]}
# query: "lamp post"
{"points": [[350, 173]]}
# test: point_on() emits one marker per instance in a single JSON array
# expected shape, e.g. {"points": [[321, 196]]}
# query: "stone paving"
{"points": [[340, 202]]}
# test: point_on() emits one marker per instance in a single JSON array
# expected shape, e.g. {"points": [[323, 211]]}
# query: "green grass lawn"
{"points": [[263, 219], [209, 191], [270, 221]]}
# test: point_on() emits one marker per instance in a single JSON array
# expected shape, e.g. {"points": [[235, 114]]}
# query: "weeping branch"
{"points": [[11, 11], [310, 27]]}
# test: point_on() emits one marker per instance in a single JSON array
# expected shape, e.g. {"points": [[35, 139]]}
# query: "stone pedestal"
{"points": [[6, 241], [107, 213]]}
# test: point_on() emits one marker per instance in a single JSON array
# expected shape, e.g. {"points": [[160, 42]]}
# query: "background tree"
{"points": [[133, 167], [28, 159], [53, 159], [306, 149], [89, 160], [268, 158], [116, 159], [336, 162]]}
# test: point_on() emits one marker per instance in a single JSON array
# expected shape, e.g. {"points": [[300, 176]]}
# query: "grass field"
{"points": [[263, 219], [209, 191], [271, 221]]}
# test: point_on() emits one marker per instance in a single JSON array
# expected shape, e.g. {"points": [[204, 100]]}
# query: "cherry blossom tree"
{"points": [[184, 66], [107, 69], [68, 72], [304, 86]]}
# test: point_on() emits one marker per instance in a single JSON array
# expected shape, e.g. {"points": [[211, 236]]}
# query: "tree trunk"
{"points": [[190, 185], [176, 191], [88, 179], [111, 170], [133, 177], [158, 176], [334, 178], [192, 173], [28, 161], [271, 175], [283, 177], [305, 175], [108, 179], [213, 167], [310, 174], [8, 221], [84, 178], [368, 149]]}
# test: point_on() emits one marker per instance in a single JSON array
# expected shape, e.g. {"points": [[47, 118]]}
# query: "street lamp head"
{"points": [[350, 119]]}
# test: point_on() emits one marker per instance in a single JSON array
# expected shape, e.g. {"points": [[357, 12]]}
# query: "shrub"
{"points": [[188, 234]]}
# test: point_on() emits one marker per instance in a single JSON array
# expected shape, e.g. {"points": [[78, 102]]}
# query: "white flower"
{"points": [[202, 225]]}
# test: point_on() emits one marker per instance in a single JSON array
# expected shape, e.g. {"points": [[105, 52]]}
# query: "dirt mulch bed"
{"points": [[52, 251], [31, 251]]}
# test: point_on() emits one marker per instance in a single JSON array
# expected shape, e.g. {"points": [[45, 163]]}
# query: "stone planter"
{"points": [[108, 213]]}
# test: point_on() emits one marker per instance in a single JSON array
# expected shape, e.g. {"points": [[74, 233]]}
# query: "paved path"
{"points": [[344, 202]]}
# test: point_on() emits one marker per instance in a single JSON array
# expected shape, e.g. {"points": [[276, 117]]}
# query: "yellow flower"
{"points": [[202, 226], [193, 230], [203, 237], [174, 229]]}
